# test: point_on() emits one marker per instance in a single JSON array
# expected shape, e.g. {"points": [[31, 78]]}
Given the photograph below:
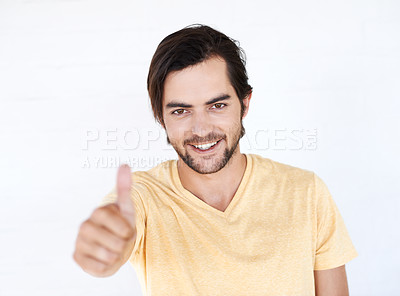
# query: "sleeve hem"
{"points": [[345, 260]]}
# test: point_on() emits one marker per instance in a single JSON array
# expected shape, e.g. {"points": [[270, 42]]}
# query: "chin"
{"points": [[206, 164]]}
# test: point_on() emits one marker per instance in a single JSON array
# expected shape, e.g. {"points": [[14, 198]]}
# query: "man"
{"points": [[215, 221]]}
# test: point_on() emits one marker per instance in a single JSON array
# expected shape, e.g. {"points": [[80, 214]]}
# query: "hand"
{"points": [[105, 241]]}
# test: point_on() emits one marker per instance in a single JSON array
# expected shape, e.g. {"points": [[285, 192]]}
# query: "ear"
{"points": [[246, 103]]}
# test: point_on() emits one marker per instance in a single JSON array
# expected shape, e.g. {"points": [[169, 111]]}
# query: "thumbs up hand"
{"points": [[105, 241], [124, 202]]}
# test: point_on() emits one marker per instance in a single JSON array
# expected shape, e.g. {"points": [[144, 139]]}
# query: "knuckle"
{"points": [[75, 256], [124, 232], [119, 245], [99, 213], [112, 207], [80, 245], [106, 256], [85, 227], [127, 232]]}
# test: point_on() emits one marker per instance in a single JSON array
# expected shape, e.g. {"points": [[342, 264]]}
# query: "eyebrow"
{"points": [[211, 101]]}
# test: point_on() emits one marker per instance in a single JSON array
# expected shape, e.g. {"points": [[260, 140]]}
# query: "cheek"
{"points": [[227, 122], [175, 130]]}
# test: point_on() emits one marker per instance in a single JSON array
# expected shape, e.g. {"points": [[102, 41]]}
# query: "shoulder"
{"points": [[159, 175], [281, 171]]}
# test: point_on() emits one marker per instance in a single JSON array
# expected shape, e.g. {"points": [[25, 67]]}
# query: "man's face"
{"points": [[202, 115]]}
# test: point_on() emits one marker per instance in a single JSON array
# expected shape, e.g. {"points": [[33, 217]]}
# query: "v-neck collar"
{"points": [[194, 199]]}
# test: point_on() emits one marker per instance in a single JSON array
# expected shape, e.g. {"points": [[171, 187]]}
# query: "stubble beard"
{"points": [[219, 163]]}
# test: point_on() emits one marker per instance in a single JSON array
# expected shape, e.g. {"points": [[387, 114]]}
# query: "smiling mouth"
{"points": [[205, 146]]}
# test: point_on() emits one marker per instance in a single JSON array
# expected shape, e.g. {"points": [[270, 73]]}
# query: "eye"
{"points": [[218, 106], [178, 111]]}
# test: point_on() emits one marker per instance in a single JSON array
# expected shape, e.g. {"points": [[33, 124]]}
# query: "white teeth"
{"points": [[205, 146]]}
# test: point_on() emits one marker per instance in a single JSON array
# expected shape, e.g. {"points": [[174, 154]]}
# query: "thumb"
{"points": [[124, 202]]}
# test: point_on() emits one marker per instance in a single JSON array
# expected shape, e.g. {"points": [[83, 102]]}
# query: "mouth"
{"points": [[205, 148]]}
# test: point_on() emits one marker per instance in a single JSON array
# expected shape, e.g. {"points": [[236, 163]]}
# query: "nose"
{"points": [[201, 125]]}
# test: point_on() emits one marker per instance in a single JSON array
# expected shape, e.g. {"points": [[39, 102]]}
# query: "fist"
{"points": [[105, 241]]}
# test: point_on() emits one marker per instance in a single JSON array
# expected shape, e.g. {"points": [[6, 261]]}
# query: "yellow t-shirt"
{"points": [[281, 225]]}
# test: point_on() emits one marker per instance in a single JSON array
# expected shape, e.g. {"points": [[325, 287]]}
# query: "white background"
{"points": [[72, 69]]}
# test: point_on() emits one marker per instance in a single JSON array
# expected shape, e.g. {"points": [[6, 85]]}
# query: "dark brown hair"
{"points": [[188, 47]]}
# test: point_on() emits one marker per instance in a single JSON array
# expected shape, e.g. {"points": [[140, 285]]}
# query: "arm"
{"points": [[331, 282]]}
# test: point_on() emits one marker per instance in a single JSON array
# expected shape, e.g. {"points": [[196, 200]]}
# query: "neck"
{"points": [[212, 188]]}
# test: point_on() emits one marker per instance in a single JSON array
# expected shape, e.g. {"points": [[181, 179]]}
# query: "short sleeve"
{"points": [[333, 244], [140, 217]]}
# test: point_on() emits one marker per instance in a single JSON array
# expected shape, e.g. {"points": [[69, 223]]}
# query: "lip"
{"points": [[212, 149]]}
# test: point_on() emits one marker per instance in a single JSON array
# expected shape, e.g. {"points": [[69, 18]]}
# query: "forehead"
{"points": [[199, 82]]}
